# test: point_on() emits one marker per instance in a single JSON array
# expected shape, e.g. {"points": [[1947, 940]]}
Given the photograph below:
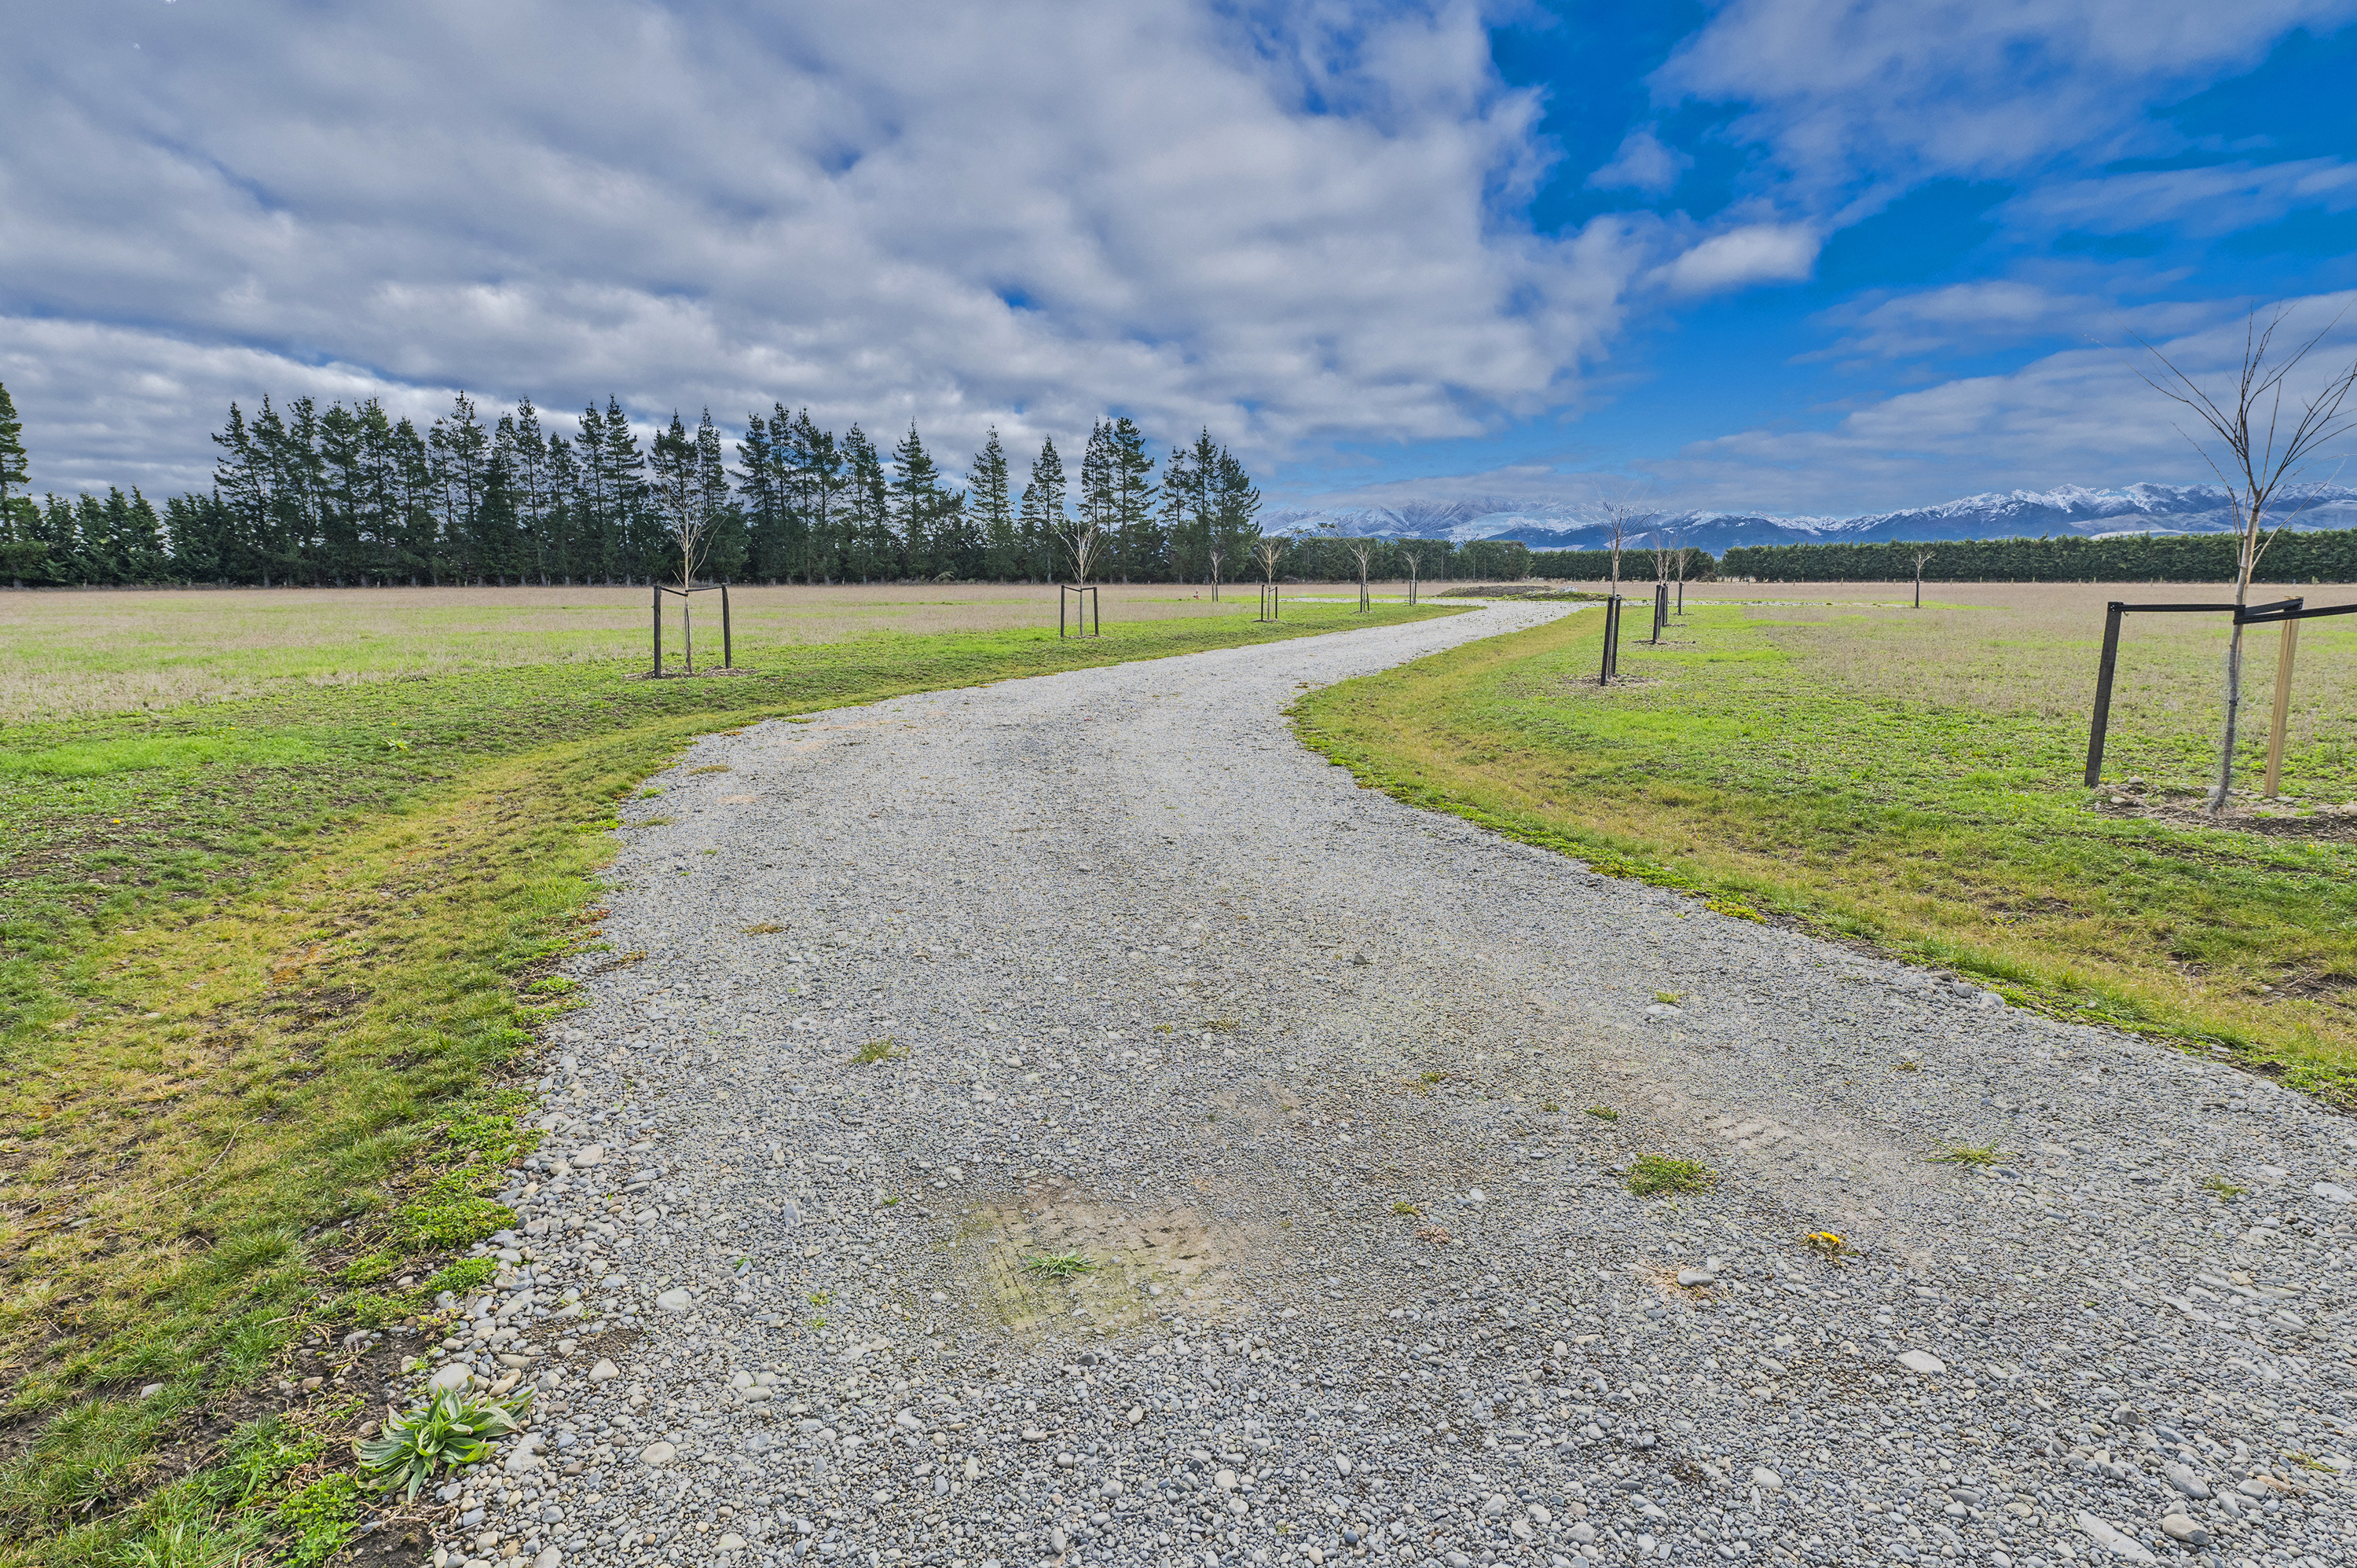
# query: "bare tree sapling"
{"points": [[2244, 437], [679, 495]]}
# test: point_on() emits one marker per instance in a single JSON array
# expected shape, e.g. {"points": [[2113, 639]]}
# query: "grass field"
{"points": [[269, 972], [1912, 779], [65, 655]]}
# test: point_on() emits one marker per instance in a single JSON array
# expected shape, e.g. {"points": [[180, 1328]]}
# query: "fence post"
{"points": [[727, 648], [2283, 701], [657, 591], [2112, 612]]}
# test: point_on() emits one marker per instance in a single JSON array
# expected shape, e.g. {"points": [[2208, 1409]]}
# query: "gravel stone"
{"points": [[1105, 968]]}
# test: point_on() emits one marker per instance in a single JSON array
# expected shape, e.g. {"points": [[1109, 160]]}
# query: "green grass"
{"points": [[1913, 782], [264, 979], [1649, 1175], [1060, 1265], [1974, 1156]]}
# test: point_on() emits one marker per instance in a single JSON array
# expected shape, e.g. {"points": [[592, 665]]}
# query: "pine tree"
{"points": [[414, 529], [915, 496], [1138, 544], [818, 481], [1234, 509], [523, 452], [724, 521], [1096, 508], [638, 545], [568, 516], [462, 472], [1044, 521], [246, 482], [762, 482], [21, 550], [989, 513], [871, 549]]}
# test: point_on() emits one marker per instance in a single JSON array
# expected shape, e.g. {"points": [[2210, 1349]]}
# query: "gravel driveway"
{"points": [[1241, 1174]]}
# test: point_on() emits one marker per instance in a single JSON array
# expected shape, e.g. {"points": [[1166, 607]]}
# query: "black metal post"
{"points": [[1096, 612], [727, 650], [658, 594], [2112, 612], [1661, 610], [1612, 638], [1681, 597]]}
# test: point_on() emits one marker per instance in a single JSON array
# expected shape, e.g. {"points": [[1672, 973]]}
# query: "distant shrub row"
{"points": [[2323, 557], [1637, 566]]}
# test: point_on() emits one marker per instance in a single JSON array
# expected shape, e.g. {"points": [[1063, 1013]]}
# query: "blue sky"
{"points": [[1789, 256]]}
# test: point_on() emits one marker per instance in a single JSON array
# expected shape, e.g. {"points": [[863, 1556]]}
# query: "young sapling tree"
{"points": [[681, 498], [2257, 456]]}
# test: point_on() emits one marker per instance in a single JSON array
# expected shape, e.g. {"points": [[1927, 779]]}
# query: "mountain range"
{"points": [[2072, 509]]}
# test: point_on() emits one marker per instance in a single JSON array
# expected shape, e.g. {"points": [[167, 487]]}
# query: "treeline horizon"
{"points": [[2323, 555], [352, 495]]}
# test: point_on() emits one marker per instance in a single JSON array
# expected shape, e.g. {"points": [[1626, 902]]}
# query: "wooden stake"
{"points": [[2283, 707]]}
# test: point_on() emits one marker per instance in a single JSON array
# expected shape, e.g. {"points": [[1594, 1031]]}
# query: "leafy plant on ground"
{"points": [[1059, 1266], [1653, 1174], [1604, 1114], [883, 1048], [1977, 1157], [259, 1452], [461, 1277], [322, 1518], [455, 1428], [2219, 1187]]}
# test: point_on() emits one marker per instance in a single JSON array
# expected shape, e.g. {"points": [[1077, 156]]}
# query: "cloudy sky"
{"points": [[1798, 256]]}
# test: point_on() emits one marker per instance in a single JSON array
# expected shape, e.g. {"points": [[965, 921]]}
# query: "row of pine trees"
{"points": [[353, 497]]}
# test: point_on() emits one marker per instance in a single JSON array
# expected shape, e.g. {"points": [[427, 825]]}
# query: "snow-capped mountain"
{"points": [[1551, 525]]}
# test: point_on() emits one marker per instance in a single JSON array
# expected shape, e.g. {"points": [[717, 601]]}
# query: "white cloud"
{"points": [[1757, 253], [1975, 317], [2216, 200], [1642, 165], [2081, 417], [1860, 98], [1291, 231]]}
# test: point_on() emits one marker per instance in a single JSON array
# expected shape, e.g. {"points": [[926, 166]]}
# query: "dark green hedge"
{"points": [[1596, 565], [2322, 557]]}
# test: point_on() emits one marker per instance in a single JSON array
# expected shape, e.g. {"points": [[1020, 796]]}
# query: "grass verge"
{"points": [[268, 992], [1770, 768]]}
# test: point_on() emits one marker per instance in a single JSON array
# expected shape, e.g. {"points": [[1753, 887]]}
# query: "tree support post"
{"points": [[1085, 605], [658, 597], [2103, 720], [2283, 704], [727, 648], [1611, 640]]}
